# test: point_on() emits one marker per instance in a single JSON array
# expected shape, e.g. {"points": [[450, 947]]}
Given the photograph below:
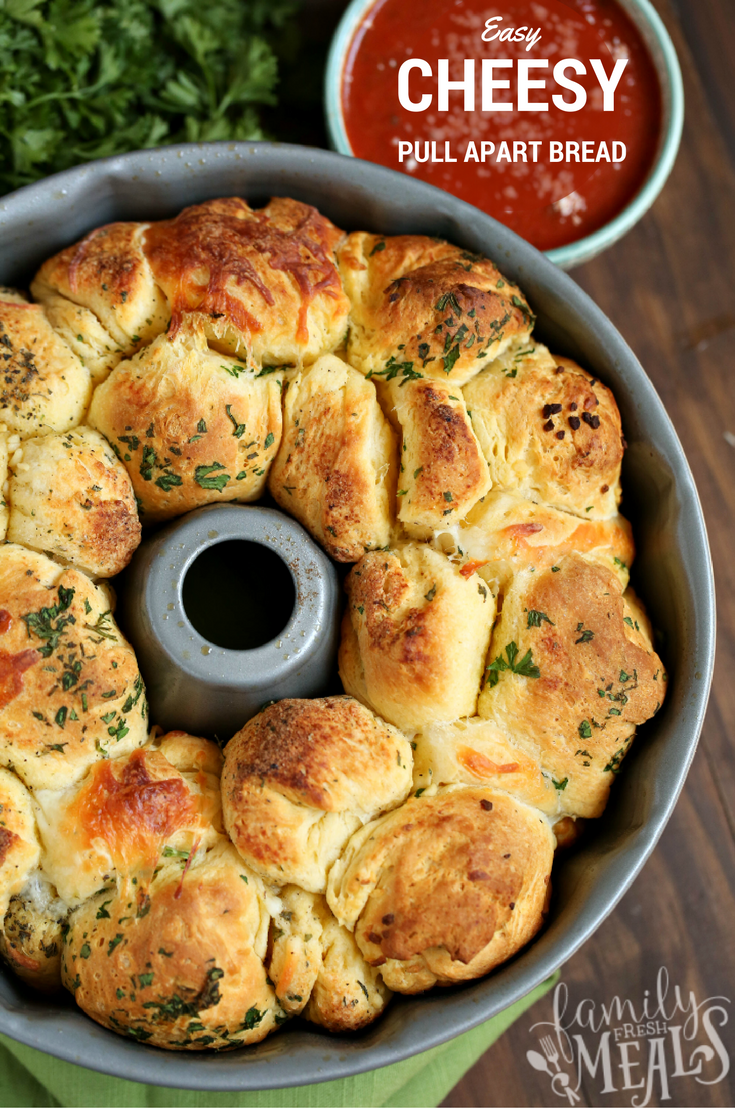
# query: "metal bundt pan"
{"points": [[673, 572]]}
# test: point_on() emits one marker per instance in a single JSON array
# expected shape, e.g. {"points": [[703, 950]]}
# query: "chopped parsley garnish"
{"points": [[168, 481], [49, 623], [113, 943], [147, 463], [524, 667], [536, 618], [450, 299], [205, 481], [586, 635], [239, 427], [393, 369], [585, 731]]}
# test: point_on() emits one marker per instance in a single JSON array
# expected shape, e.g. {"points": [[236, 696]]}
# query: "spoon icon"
{"points": [[538, 1062]]}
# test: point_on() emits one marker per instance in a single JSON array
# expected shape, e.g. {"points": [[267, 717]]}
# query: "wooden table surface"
{"points": [[669, 287]]}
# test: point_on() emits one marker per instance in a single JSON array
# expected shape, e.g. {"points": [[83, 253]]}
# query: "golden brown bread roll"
{"points": [[44, 385], [335, 470], [478, 752], [263, 283], [506, 533], [446, 887], [318, 969], [549, 430], [443, 471], [571, 673], [301, 776], [71, 497], [70, 689], [425, 308], [32, 933], [414, 636], [125, 815], [181, 966], [107, 272], [192, 427]]}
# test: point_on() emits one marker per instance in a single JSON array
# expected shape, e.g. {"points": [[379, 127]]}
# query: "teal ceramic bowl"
{"points": [[662, 51]]}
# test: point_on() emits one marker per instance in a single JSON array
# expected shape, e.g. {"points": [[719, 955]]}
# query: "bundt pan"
{"points": [[672, 572]]}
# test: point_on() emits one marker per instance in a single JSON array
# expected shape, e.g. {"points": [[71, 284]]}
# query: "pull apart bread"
{"points": [[387, 392]]}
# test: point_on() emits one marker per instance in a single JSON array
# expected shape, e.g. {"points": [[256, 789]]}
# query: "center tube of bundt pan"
{"points": [[229, 608]]}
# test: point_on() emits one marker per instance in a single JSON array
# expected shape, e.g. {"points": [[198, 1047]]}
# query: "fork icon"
{"points": [[552, 1056]]}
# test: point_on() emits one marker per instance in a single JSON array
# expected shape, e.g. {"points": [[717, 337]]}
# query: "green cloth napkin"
{"points": [[30, 1079]]}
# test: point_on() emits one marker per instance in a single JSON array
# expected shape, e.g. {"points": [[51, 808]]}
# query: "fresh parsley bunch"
{"points": [[82, 80]]}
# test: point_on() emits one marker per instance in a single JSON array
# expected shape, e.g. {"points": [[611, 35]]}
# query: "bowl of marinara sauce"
{"points": [[560, 118]]}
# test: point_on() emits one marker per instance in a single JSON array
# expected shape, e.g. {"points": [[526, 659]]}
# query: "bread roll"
{"points": [[571, 673], [263, 283], [318, 969], [506, 533], [72, 498], [32, 934], [443, 471], [301, 776], [123, 817], [84, 335], [70, 689], [477, 752], [446, 887], [108, 273], [424, 308], [44, 385], [336, 467], [414, 636], [549, 430], [192, 427], [183, 967]]}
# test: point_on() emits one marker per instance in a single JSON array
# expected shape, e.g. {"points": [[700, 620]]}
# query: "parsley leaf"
{"points": [[536, 618], [524, 668]]}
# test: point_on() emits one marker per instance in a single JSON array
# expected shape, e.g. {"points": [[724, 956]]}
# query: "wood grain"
{"points": [[669, 288]]}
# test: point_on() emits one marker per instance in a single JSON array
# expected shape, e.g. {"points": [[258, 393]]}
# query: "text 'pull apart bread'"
{"points": [[388, 393]]}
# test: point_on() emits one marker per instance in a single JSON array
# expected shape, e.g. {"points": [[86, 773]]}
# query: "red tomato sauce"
{"points": [[549, 203]]}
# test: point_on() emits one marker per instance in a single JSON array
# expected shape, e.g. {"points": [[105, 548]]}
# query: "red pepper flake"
{"points": [[549, 425], [574, 422]]}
